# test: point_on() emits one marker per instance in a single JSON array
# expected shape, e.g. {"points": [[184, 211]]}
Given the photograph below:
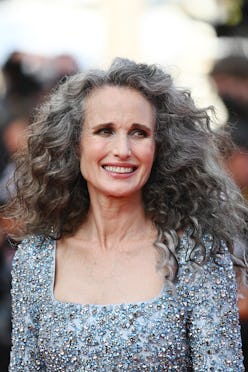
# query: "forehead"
{"points": [[117, 98]]}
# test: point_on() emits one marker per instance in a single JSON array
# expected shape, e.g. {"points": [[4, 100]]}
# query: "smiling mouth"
{"points": [[121, 170]]}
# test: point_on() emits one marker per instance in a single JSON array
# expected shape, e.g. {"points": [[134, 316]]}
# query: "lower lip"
{"points": [[119, 175]]}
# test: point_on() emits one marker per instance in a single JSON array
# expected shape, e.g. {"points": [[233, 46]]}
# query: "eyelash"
{"points": [[140, 133], [109, 131], [104, 131]]}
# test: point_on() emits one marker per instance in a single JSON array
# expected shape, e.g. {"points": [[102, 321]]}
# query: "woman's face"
{"points": [[117, 144]]}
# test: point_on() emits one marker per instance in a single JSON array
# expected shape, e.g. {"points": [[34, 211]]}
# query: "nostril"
{"points": [[122, 150]]}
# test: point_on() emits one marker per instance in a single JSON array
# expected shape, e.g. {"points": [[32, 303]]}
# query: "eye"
{"points": [[139, 133], [105, 132]]}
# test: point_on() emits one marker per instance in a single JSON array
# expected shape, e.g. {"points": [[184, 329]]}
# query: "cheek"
{"points": [[151, 150], [92, 149], [92, 152], [148, 155]]}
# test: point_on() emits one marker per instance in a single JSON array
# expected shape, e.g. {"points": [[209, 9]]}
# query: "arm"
{"points": [[24, 354], [213, 324]]}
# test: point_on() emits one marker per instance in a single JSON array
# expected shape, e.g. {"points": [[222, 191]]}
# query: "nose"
{"points": [[122, 147]]}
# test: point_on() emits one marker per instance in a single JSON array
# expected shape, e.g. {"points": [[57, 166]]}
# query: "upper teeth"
{"points": [[118, 169]]}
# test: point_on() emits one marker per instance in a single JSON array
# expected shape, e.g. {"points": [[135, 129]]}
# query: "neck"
{"points": [[111, 221]]}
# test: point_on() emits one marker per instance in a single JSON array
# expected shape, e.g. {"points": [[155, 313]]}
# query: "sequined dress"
{"points": [[192, 326]]}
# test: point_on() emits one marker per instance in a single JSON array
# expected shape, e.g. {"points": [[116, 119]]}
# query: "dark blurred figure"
{"points": [[4, 117], [28, 79], [238, 161], [13, 135], [237, 22], [230, 76]]}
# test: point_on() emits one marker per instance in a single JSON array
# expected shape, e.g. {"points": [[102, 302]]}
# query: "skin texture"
{"points": [[118, 132]]}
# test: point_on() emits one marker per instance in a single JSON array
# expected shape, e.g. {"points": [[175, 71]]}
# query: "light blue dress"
{"points": [[191, 326]]}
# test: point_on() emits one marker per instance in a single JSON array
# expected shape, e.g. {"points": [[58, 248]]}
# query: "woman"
{"points": [[128, 220]]}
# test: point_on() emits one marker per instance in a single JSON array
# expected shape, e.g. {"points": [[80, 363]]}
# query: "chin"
{"points": [[122, 193]]}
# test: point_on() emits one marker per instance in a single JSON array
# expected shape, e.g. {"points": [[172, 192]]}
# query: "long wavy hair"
{"points": [[187, 187]]}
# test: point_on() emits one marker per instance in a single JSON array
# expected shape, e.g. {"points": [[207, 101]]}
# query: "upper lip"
{"points": [[125, 165]]}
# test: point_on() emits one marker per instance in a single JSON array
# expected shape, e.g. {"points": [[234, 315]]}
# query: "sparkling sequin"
{"points": [[192, 327]]}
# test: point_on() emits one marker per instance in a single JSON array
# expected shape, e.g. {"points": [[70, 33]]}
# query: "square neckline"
{"points": [[147, 302]]}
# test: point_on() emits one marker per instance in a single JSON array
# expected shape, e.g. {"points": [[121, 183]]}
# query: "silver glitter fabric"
{"points": [[192, 326]]}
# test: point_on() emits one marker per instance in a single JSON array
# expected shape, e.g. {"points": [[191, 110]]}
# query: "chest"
{"points": [[108, 279]]}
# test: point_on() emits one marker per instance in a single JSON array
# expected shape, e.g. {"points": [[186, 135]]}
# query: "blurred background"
{"points": [[203, 44]]}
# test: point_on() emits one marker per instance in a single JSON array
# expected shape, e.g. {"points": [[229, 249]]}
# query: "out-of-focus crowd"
{"points": [[26, 81], [230, 78]]}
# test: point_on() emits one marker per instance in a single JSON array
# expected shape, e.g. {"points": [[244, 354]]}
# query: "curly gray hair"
{"points": [[187, 185]]}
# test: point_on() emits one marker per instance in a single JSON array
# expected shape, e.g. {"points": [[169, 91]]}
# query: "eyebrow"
{"points": [[102, 125]]}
